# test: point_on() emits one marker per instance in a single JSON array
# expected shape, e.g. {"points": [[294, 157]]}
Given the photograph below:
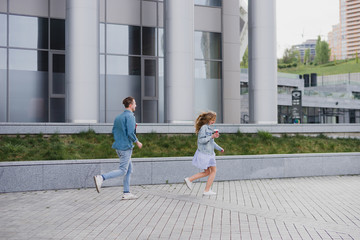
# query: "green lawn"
{"points": [[94, 146], [326, 69]]}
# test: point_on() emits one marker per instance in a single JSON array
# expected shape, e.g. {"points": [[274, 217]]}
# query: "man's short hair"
{"points": [[127, 101]]}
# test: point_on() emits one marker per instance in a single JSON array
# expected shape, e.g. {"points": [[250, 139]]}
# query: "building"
{"points": [[334, 39], [42, 78], [330, 99], [308, 44], [349, 28], [75, 60]]}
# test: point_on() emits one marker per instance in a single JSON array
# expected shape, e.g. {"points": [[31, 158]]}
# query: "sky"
{"points": [[299, 20]]}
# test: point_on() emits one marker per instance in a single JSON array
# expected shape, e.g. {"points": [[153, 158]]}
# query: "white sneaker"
{"points": [[188, 183], [129, 196], [98, 179], [209, 193]]}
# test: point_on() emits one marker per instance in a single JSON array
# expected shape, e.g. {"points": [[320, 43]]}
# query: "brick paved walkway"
{"points": [[278, 209]]}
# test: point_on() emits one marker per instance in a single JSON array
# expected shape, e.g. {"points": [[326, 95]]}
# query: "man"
{"points": [[124, 136]]}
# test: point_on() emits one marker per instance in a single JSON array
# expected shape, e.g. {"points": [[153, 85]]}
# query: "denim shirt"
{"points": [[124, 131], [206, 144]]}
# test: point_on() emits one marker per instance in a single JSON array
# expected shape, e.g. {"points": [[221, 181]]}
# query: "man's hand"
{"points": [[139, 144]]}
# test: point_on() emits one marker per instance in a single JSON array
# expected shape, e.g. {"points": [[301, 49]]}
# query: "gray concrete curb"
{"points": [[70, 174]]}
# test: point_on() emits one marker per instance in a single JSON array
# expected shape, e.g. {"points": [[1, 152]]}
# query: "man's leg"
{"points": [[123, 167], [126, 181]]}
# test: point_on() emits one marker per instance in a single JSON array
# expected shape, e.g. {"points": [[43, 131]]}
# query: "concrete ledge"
{"points": [[46, 175], [332, 130]]}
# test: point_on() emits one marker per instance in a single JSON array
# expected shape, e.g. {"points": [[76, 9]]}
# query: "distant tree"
{"points": [[245, 59], [356, 57], [307, 56], [322, 51], [291, 56]]}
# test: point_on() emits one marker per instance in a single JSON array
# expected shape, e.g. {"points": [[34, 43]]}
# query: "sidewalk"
{"points": [[292, 208]]}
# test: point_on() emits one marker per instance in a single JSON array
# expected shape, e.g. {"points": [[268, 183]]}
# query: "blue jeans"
{"points": [[125, 168]]}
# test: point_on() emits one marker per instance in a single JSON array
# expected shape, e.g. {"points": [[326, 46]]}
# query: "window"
{"points": [[122, 39], [28, 32]]}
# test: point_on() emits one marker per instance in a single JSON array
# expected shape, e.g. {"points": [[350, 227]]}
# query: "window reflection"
{"points": [[3, 31], [57, 34], [28, 86], [123, 65], [123, 39], [28, 60], [207, 45], [123, 79], [208, 83], [28, 32], [207, 70]]}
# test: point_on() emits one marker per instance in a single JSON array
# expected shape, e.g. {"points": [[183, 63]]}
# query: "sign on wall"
{"points": [[296, 110]]}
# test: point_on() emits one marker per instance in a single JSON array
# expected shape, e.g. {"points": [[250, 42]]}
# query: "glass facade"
{"points": [[32, 48], [28, 69], [208, 72], [32, 76]]}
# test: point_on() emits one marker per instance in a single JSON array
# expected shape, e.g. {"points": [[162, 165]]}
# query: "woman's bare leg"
{"points": [[200, 175], [211, 178]]}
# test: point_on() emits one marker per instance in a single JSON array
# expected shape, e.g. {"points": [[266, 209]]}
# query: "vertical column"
{"points": [[82, 61], [179, 60], [262, 62], [231, 62]]}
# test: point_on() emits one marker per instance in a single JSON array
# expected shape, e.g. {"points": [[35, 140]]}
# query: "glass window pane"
{"points": [[149, 41], [57, 110], [3, 86], [214, 3], [150, 111], [123, 65], [123, 39], [208, 70], [28, 86], [150, 78], [123, 79], [57, 34], [208, 83], [161, 42], [28, 32], [28, 60], [207, 45], [102, 38], [3, 31], [58, 74]]}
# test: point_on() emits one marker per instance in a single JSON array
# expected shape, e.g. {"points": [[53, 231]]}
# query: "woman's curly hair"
{"points": [[204, 118]]}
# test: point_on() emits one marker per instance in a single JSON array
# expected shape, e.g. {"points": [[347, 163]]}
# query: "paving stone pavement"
{"points": [[277, 209]]}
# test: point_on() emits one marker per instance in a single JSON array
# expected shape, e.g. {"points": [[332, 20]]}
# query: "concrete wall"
{"points": [[51, 175]]}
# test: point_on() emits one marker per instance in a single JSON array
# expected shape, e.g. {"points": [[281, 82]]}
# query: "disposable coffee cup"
{"points": [[216, 130]]}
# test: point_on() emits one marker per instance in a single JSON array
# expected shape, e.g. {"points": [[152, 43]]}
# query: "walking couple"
{"points": [[124, 132]]}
